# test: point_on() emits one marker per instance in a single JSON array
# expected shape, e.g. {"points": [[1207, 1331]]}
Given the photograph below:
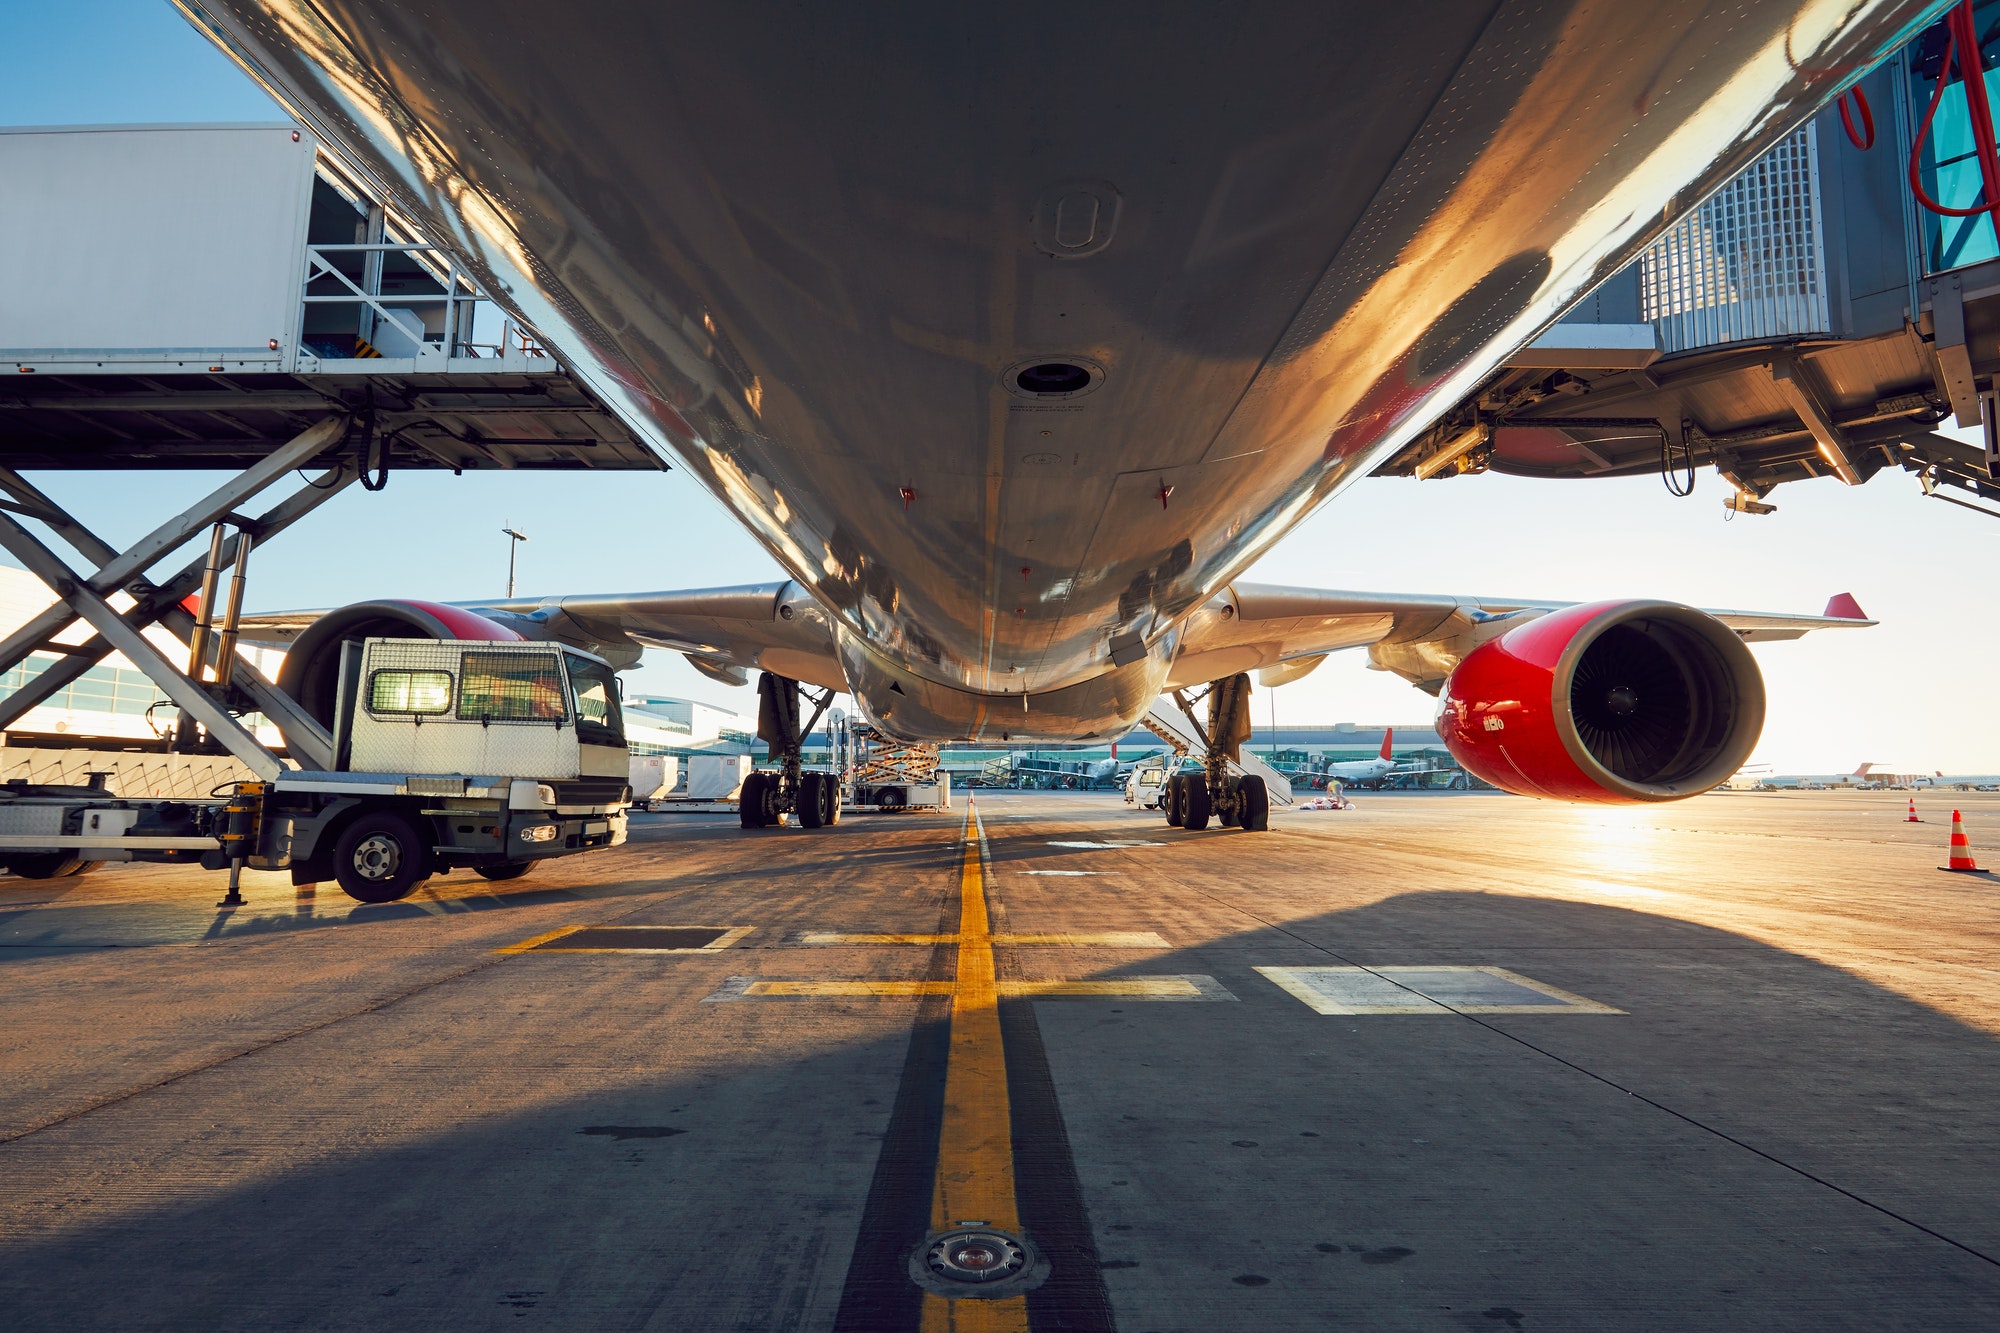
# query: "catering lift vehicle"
{"points": [[485, 755]]}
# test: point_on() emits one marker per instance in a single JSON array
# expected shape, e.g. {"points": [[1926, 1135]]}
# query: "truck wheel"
{"points": [[379, 858], [50, 865], [511, 870], [750, 805], [812, 800], [1195, 805], [1253, 804]]}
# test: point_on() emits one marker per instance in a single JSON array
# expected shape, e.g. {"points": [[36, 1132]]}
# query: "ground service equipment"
{"points": [[490, 756]]}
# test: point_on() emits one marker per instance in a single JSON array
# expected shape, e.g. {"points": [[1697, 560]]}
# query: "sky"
{"points": [[1902, 695]]}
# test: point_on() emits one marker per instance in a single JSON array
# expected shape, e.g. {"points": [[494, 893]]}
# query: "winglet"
{"points": [[1842, 606], [1388, 739]]}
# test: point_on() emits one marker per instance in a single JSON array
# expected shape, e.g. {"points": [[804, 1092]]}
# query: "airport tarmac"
{"points": [[1443, 1061]]}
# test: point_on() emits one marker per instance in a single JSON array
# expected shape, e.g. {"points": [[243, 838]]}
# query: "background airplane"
{"points": [[1367, 770]]}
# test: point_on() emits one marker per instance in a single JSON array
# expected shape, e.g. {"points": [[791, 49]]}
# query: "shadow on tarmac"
{"points": [[1762, 1141]]}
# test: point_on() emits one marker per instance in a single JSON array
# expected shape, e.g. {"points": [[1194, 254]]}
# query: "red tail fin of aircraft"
{"points": [[1388, 739]]}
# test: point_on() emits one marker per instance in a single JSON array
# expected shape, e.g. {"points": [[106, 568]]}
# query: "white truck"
{"points": [[448, 753]]}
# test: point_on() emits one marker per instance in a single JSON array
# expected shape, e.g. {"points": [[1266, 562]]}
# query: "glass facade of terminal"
{"points": [[102, 689]]}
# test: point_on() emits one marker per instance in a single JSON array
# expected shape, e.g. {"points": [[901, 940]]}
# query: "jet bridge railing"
{"points": [[440, 315]]}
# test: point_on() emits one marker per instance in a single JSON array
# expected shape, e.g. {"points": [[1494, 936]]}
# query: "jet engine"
{"points": [[1611, 702], [311, 674]]}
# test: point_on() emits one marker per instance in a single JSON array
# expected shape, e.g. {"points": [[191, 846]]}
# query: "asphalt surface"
{"points": [[1725, 1064]]}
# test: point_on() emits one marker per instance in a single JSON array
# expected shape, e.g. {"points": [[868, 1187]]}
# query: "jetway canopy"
{"points": [[195, 296]]}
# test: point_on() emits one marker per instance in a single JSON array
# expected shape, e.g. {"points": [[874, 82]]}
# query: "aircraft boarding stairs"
{"points": [[1165, 720]]}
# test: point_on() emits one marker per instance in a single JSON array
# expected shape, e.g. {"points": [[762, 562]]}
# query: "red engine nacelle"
{"points": [[1611, 702], [311, 673]]}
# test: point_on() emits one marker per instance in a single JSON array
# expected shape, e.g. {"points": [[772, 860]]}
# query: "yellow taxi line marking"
{"points": [[826, 990], [834, 937], [1113, 939], [1109, 939], [543, 938], [975, 1161], [722, 941], [1158, 988]]}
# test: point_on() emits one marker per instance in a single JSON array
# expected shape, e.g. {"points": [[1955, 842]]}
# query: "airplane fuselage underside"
{"points": [[1015, 335]]}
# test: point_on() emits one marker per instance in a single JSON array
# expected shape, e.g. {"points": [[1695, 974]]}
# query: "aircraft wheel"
{"points": [[832, 790], [379, 858], [751, 805], [812, 800], [1253, 804], [511, 870], [1170, 800], [51, 865], [1195, 803]]}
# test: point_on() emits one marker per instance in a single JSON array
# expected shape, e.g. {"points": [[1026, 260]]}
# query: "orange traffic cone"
{"points": [[1961, 847], [1913, 813]]}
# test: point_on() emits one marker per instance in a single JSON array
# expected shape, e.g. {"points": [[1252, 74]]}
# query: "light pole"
{"points": [[514, 540]]}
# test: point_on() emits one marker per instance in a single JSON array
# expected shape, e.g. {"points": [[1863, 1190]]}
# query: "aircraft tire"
{"points": [[832, 790], [1253, 804], [812, 800], [1170, 800], [1195, 803], [750, 805]]}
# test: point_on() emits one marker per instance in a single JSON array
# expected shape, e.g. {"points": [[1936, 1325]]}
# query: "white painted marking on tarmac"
{"points": [[1059, 872], [1426, 990], [1096, 846]]}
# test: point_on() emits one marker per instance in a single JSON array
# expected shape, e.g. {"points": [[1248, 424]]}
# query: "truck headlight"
{"points": [[539, 833]]}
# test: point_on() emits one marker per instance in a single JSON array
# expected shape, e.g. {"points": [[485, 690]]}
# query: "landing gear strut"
{"points": [[1192, 799], [769, 795]]}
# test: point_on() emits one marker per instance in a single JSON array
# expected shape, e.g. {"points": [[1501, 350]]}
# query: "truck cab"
{"points": [[456, 753]]}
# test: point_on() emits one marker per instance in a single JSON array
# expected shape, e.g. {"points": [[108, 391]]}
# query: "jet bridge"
{"points": [[1814, 318], [231, 297], [195, 296]]}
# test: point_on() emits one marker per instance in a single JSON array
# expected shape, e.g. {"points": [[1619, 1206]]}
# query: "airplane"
{"points": [[1367, 770], [1015, 337], [1959, 781], [1857, 780]]}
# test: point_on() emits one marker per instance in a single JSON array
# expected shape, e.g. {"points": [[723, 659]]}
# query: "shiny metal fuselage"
{"points": [[808, 252]]}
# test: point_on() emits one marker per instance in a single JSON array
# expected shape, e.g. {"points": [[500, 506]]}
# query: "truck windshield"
{"points": [[511, 687], [597, 718]]}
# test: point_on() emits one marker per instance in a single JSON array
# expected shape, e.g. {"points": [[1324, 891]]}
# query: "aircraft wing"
{"points": [[1283, 632], [725, 632], [1280, 632]]}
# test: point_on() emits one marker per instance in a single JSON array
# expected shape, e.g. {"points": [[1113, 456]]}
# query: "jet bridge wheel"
{"points": [[380, 857]]}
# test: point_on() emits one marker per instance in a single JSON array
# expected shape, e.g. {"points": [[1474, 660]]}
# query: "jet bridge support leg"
{"points": [[85, 599]]}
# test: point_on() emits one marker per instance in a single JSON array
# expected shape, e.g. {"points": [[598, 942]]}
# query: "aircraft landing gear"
{"points": [[769, 795], [1192, 799]]}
